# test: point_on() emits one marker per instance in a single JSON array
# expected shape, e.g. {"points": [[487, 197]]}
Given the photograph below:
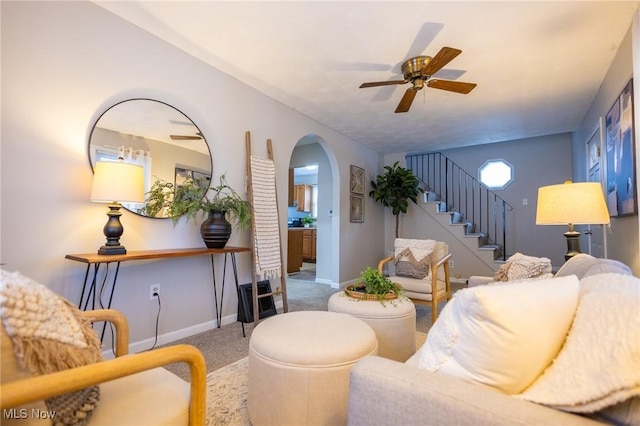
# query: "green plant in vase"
{"points": [[374, 285], [307, 221], [194, 196]]}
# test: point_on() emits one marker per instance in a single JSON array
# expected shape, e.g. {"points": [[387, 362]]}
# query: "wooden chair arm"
{"points": [[46, 386], [443, 260], [382, 262], [120, 323]]}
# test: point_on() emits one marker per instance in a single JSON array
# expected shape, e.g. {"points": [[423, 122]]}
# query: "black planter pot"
{"points": [[215, 230]]}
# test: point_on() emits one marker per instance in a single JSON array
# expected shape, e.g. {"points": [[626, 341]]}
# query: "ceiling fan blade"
{"points": [[184, 138], [442, 58], [407, 100], [382, 83], [451, 86]]}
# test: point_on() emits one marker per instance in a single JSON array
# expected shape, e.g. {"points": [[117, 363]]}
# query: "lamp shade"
{"points": [[117, 181], [579, 203]]}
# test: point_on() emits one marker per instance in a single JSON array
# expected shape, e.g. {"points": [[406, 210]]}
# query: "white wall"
{"points": [[63, 64], [622, 237]]}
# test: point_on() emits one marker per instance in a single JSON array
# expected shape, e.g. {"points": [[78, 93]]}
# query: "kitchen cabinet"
{"points": [[303, 198], [292, 191], [309, 237], [294, 250]]}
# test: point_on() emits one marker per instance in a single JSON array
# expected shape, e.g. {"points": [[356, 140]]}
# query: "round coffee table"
{"points": [[394, 322], [299, 365]]}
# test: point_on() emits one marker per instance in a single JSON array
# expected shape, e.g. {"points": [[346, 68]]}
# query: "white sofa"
{"points": [[385, 392]]}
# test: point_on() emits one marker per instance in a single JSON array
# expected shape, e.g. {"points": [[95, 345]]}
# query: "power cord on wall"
{"points": [[113, 348], [155, 342]]}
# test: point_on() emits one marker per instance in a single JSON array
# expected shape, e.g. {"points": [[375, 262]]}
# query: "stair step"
{"points": [[474, 235]]}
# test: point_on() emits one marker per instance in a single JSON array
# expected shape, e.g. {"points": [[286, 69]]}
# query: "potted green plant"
{"points": [[220, 202], [374, 286], [307, 221], [395, 188]]}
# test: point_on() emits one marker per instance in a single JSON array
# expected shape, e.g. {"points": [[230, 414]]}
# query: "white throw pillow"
{"points": [[599, 364], [502, 336]]}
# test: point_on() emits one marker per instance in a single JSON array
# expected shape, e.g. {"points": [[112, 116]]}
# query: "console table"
{"points": [[98, 259]]}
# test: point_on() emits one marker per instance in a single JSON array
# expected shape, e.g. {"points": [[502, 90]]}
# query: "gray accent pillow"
{"points": [[407, 269]]}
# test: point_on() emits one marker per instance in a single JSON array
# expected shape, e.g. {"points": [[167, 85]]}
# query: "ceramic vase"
{"points": [[215, 230]]}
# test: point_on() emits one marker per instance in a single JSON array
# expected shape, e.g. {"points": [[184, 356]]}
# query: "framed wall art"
{"points": [[620, 156], [356, 211], [357, 180]]}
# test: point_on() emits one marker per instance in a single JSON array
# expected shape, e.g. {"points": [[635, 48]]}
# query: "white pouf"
{"points": [[299, 364], [394, 322]]}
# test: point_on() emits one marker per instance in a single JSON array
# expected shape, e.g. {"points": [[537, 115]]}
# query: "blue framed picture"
{"points": [[620, 156]]}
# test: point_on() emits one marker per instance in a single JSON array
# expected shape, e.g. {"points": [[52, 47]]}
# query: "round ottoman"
{"points": [[299, 364], [394, 322]]}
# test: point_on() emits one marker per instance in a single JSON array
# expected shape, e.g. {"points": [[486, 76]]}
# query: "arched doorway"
{"points": [[311, 174]]}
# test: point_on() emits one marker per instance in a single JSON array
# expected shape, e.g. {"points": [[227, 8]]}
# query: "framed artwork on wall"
{"points": [[356, 211], [620, 156], [357, 180]]}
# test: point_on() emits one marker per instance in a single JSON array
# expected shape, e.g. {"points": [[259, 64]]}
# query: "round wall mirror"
{"points": [[164, 141]]}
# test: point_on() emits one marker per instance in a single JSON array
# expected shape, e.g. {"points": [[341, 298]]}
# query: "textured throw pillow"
{"points": [[407, 269], [502, 336], [599, 365], [47, 336], [412, 258], [520, 266]]}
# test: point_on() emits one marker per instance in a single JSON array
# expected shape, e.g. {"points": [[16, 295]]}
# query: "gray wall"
{"points": [[543, 161], [622, 236], [537, 162], [63, 64]]}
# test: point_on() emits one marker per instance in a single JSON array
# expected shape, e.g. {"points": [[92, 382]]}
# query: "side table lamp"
{"points": [[116, 182], [572, 204]]}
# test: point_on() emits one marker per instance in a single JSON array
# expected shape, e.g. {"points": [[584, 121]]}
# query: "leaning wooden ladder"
{"points": [[270, 204]]}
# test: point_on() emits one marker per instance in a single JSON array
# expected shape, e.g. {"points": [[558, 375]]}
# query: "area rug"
{"points": [[227, 395], [227, 392]]}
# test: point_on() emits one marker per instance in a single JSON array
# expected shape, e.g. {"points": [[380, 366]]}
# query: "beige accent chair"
{"points": [[421, 291], [134, 389]]}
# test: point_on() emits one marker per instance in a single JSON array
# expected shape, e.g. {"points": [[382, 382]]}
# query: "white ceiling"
{"points": [[538, 65]]}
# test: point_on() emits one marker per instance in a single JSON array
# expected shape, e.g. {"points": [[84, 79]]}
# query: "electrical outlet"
{"points": [[451, 264], [154, 291]]}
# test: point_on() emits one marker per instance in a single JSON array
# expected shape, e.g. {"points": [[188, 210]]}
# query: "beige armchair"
{"points": [[134, 389], [431, 283]]}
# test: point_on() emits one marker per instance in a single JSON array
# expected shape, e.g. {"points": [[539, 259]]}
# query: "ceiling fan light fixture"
{"points": [[419, 70]]}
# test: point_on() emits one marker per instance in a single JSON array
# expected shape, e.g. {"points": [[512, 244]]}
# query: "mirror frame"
{"points": [[110, 108]]}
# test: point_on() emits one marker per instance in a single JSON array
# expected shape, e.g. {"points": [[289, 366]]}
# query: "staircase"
{"points": [[460, 200]]}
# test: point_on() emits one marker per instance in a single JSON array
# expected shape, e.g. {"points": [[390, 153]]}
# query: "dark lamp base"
{"points": [[573, 243], [111, 250]]}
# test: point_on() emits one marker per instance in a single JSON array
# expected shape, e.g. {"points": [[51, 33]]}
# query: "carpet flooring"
{"points": [[227, 392], [226, 345]]}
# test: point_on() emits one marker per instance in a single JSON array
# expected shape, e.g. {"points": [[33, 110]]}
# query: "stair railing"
{"points": [[465, 197]]}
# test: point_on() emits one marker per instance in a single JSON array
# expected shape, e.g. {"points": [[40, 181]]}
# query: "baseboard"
{"points": [[172, 336], [328, 282]]}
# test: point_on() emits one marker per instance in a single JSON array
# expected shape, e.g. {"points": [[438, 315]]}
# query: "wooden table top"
{"points": [[152, 254]]}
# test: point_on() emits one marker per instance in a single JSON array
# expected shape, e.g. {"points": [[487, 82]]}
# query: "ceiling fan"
{"points": [[195, 137], [419, 71]]}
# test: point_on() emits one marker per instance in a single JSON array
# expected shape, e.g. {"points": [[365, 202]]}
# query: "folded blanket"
{"points": [[265, 213], [417, 252], [599, 364]]}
